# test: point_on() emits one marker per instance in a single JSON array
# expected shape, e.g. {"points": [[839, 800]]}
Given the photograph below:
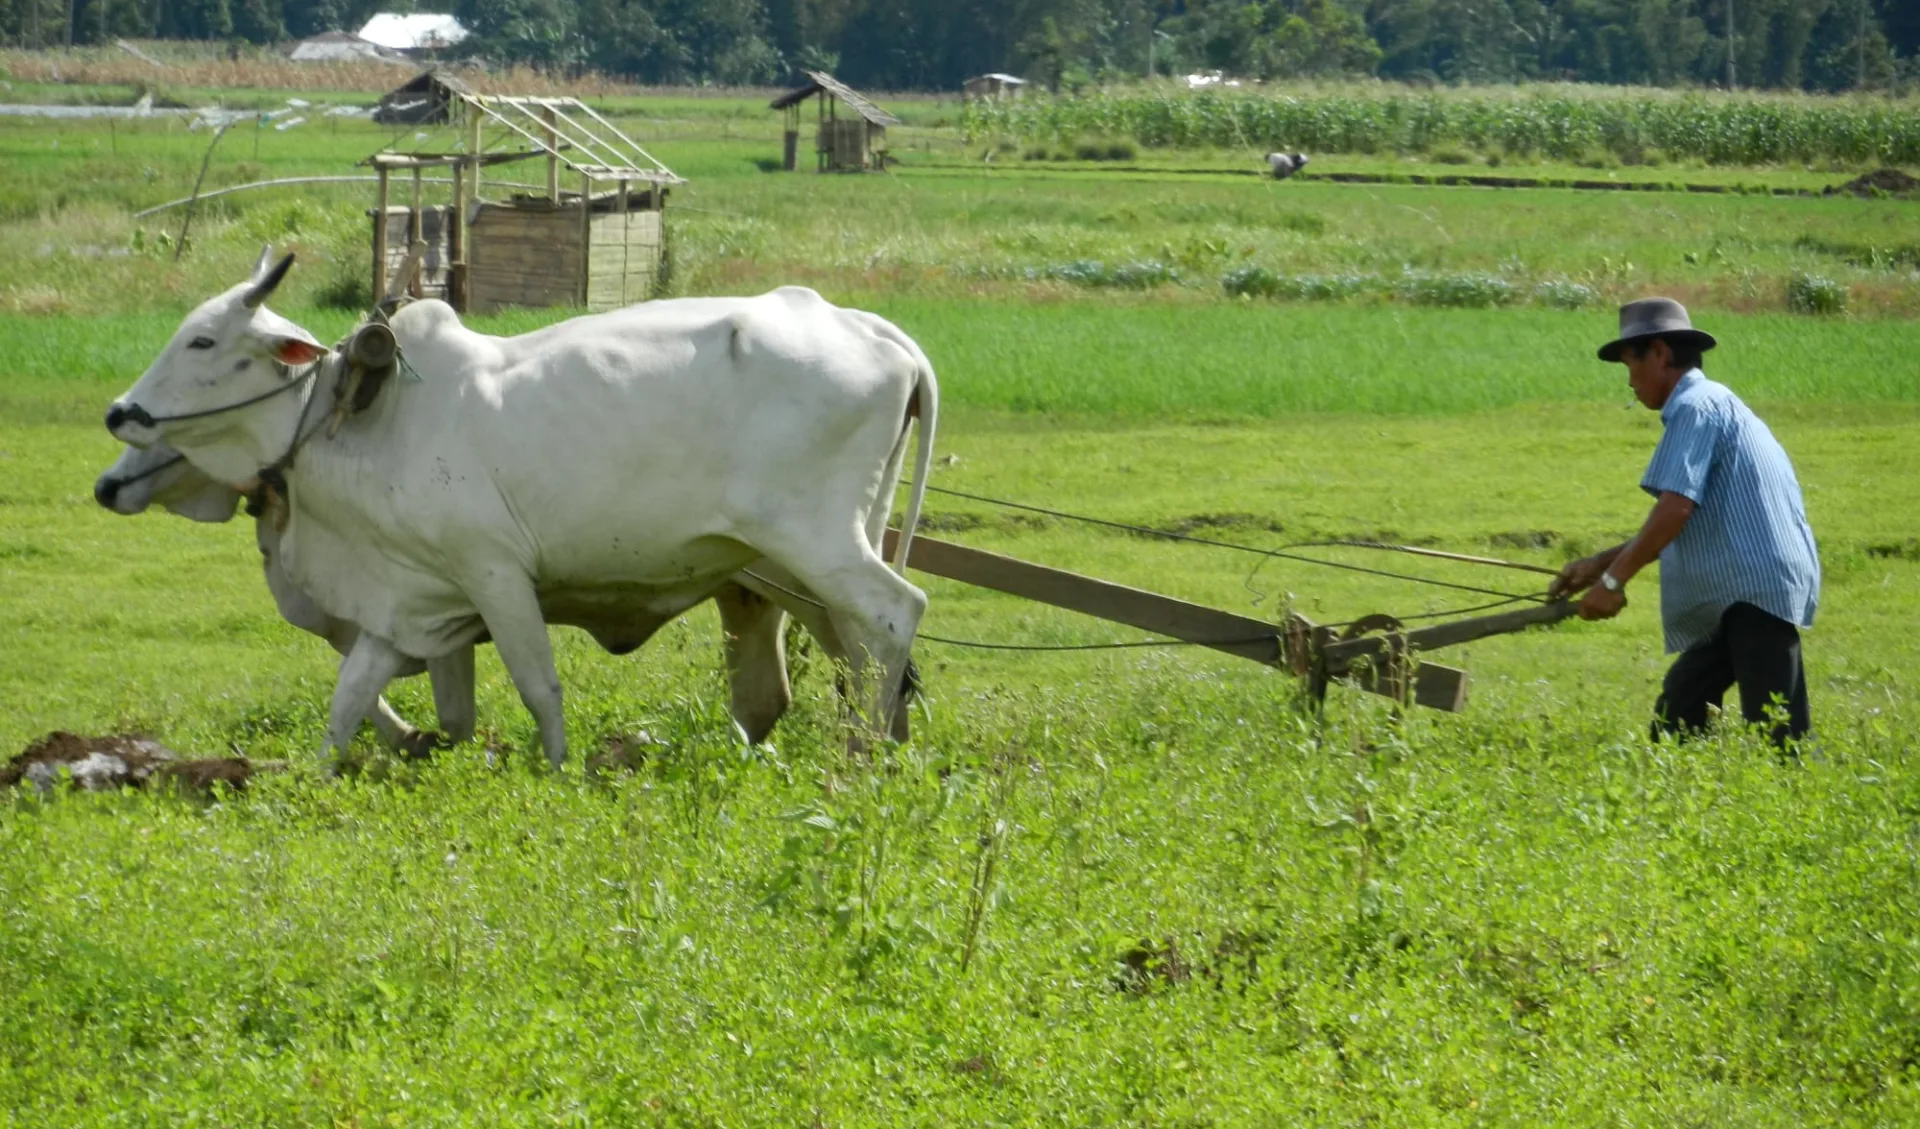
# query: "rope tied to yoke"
{"points": [[1502, 598]]}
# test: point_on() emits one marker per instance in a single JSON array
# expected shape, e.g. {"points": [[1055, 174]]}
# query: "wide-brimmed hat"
{"points": [[1654, 317]]}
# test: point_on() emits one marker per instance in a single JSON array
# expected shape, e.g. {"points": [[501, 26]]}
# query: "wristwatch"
{"points": [[1608, 582]]}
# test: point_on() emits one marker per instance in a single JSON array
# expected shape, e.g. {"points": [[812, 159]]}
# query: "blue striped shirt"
{"points": [[1748, 539]]}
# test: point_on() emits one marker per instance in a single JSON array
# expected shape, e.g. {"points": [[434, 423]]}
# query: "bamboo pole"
{"points": [[380, 240], [416, 232], [626, 244], [285, 180], [586, 237], [457, 242], [474, 120], [180, 245], [553, 157]]}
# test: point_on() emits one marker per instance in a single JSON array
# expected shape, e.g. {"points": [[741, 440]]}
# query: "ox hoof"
{"points": [[419, 745]]}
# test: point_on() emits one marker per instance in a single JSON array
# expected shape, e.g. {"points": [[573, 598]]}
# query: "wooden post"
{"points": [[586, 237], [474, 117], [626, 243], [553, 159], [380, 238], [416, 230], [457, 240]]}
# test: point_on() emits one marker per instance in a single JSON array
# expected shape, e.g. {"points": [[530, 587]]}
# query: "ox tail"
{"points": [[925, 404]]}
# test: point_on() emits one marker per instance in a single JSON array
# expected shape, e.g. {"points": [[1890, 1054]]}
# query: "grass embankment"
{"points": [[942, 230]]}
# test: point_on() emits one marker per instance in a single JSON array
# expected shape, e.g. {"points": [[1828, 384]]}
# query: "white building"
{"points": [[413, 33]]}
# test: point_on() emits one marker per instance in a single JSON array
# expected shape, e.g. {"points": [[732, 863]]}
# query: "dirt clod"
{"points": [[1147, 967], [1880, 182], [124, 760], [627, 752]]}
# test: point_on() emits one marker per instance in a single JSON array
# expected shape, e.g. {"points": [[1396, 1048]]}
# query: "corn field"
{"points": [[1554, 124]]}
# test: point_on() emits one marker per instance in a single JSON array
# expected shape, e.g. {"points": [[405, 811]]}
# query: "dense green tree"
{"points": [[935, 44]]}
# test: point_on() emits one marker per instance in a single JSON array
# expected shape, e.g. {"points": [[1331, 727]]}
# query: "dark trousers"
{"points": [[1759, 651]]}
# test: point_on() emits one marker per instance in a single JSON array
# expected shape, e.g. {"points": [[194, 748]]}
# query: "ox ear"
{"points": [[285, 341], [264, 284]]}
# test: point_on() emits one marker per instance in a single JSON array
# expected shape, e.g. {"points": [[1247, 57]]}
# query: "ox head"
{"points": [[162, 476], [210, 392]]}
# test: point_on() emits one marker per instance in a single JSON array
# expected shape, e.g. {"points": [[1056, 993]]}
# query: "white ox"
{"points": [[626, 463], [161, 476], [754, 639]]}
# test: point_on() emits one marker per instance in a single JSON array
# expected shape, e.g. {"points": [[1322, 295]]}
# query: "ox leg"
{"points": [[788, 592], [452, 677], [753, 629], [780, 586], [874, 613], [512, 615], [364, 673]]}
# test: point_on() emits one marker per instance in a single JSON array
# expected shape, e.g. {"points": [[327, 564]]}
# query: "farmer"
{"points": [[1738, 570]]}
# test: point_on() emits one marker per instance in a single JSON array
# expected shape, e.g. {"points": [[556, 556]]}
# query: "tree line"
{"points": [[935, 44]]}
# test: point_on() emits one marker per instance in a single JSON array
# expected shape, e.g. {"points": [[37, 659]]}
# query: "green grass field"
{"points": [[1125, 887]]}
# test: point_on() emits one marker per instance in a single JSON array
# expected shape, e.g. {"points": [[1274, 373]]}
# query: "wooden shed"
{"points": [[600, 246], [856, 141], [992, 86], [427, 98]]}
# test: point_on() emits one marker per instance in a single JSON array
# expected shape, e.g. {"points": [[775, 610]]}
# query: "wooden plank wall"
{"points": [[523, 257], [845, 142], [435, 229], [623, 264], [533, 257]]}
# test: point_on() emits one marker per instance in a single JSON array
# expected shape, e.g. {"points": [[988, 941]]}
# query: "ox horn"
{"points": [[265, 284], [260, 264]]}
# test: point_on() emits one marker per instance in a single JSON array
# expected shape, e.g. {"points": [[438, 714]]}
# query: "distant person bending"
{"points": [[1739, 574]]}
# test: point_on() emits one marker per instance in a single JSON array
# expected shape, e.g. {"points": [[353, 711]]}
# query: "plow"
{"points": [[1380, 653]]}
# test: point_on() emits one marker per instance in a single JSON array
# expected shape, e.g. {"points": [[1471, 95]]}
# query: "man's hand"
{"points": [[1578, 576], [1602, 604]]}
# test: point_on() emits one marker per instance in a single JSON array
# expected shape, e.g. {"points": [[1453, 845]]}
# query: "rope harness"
{"points": [[1284, 552]]}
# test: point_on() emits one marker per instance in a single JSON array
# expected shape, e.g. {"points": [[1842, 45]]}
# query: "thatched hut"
{"points": [[857, 141], [599, 247]]}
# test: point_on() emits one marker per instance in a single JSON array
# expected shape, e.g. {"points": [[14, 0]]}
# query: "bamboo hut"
{"points": [[599, 246], [854, 141], [988, 87], [427, 98]]}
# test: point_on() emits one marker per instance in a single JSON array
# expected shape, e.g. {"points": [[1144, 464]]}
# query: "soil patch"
{"points": [[1880, 182], [124, 760]]}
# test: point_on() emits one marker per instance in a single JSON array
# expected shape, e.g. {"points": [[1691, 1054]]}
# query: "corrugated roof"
{"points": [[823, 81], [332, 45]]}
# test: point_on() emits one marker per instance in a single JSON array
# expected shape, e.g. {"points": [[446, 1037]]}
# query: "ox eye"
{"points": [[201, 343]]}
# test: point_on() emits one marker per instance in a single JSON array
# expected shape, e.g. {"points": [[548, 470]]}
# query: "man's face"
{"points": [[1649, 373]]}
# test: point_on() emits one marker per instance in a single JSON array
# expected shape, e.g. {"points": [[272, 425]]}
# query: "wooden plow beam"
{"points": [[1376, 654]]}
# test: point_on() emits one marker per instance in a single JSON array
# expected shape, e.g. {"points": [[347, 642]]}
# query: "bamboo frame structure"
{"points": [[594, 261]]}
